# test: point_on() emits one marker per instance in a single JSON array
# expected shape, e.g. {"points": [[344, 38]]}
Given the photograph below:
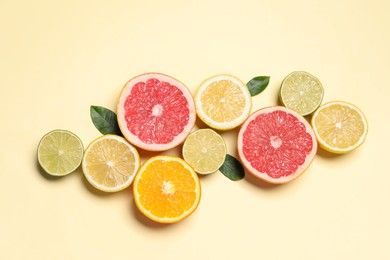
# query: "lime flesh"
{"points": [[301, 92], [60, 152], [204, 150]]}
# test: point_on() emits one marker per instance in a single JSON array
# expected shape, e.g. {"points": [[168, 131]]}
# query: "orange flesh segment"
{"points": [[167, 189]]}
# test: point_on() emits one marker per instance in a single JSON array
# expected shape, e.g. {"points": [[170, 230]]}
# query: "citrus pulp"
{"points": [[60, 152], [223, 102], [301, 92], [276, 144], [204, 150], [166, 189], [340, 127], [155, 112], [110, 163]]}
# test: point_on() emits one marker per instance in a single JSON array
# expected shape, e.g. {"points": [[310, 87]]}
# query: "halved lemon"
{"points": [[301, 92], [166, 189], [223, 102], [60, 152], [340, 127], [204, 150], [110, 163]]}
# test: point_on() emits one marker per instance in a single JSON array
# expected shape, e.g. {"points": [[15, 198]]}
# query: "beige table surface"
{"points": [[59, 57]]}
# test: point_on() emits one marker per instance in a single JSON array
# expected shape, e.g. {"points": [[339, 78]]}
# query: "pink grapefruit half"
{"points": [[155, 112], [276, 144]]}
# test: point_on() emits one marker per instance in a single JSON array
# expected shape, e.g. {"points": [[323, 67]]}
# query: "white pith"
{"points": [[168, 187]]}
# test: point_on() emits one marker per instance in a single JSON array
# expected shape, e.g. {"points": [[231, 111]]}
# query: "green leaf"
{"points": [[232, 168], [257, 85], [105, 120]]}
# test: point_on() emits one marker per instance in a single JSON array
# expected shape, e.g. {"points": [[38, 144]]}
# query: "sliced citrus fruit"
{"points": [[223, 102], [340, 127], [60, 152], [276, 144], [301, 92], [110, 163], [166, 189], [204, 150], [155, 112]]}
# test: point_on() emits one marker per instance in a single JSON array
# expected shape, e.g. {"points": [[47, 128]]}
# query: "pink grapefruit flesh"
{"points": [[276, 144], [155, 112]]}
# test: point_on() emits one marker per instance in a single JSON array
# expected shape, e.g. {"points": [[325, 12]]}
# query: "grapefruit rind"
{"points": [[149, 214], [262, 175], [134, 139], [323, 144], [223, 125]]}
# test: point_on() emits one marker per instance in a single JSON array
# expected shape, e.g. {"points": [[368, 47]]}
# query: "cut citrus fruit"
{"points": [[340, 127], [276, 144], [223, 102], [204, 150], [166, 189], [155, 112], [60, 152], [110, 163], [301, 92]]}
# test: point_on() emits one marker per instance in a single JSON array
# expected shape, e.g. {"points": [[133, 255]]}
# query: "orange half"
{"points": [[166, 189]]}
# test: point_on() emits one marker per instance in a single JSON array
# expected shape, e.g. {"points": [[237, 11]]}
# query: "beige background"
{"points": [[59, 57]]}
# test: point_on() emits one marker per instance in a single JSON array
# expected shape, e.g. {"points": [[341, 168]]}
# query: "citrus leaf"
{"points": [[257, 85], [105, 120], [232, 168]]}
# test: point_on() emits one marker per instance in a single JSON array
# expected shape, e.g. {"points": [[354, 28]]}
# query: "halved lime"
{"points": [[60, 152], [301, 92], [204, 150]]}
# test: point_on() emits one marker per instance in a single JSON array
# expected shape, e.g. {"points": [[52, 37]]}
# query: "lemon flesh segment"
{"points": [[223, 102], [301, 92], [110, 163], [340, 127], [205, 150], [60, 152]]}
